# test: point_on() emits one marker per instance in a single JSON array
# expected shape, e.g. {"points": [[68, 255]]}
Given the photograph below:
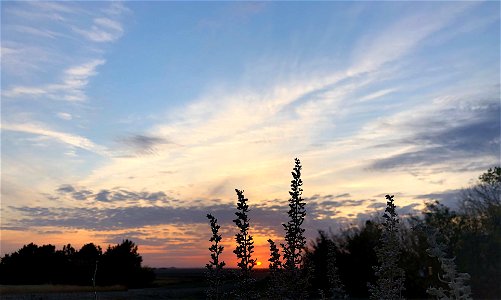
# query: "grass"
{"points": [[55, 288], [171, 283]]}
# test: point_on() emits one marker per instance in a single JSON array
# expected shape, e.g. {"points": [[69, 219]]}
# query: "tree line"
{"points": [[441, 253], [119, 264]]}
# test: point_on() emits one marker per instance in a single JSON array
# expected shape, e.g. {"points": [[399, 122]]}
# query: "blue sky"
{"points": [[134, 119]]}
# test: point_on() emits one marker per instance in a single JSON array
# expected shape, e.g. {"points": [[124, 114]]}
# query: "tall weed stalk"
{"points": [[215, 266], [457, 287], [390, 277], [295, 277], [244, 250]]}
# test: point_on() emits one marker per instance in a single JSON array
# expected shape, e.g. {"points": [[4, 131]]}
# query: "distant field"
{"points": [[171, 283], [55, 288], [53, 291]]}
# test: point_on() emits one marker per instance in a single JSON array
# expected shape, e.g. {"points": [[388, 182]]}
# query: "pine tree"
{"points": [[390, 277]]}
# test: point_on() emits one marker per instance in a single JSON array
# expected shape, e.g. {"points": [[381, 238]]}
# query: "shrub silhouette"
{"points": [[384, 251], [470, 236], [287, 277]]}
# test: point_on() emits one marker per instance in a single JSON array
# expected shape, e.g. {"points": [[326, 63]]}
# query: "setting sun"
{"points": [[258, 263]]}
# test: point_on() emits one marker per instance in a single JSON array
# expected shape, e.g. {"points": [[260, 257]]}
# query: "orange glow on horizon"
{"points": [[178, 250]]}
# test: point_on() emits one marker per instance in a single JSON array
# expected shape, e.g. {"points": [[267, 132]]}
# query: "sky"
{"points": [[136, 119]]}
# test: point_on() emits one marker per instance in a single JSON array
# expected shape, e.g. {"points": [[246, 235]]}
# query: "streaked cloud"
{"points": [[62, 137], [103, 30], [70, 88], [37, 40], [376, 95], [35, 31], [395, 41], [468, 137], [449, 198]]}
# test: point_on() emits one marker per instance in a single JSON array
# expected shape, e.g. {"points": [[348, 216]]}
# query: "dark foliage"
{"points": [[32, 264], [275, 286], [471, 234], [323, 258], [357, 257], [121, 264], [477, 246]]}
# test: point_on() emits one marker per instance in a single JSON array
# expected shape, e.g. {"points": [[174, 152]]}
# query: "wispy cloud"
{"points": [[396, 41], [37, 54], [45, 33], [62, 137], [103, 30], [468, 137], [71, 88], [64, 116], [376, 95]]}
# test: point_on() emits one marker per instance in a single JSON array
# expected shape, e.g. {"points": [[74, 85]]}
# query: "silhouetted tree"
{"points": [[471, 234], [85, 261], [121, 264], [31, 265], [478, 246], [356, 261], [419, 267], [325, 277], [34, 264]]}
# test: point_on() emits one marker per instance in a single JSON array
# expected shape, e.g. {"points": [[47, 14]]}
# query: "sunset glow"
{"points": [[134, 120]]}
